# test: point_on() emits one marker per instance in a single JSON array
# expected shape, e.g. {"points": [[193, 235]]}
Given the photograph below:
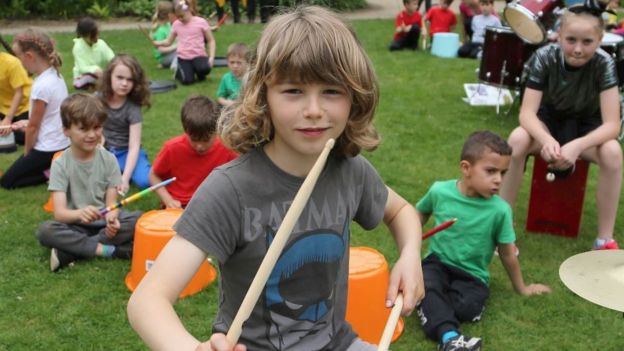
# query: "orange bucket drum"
{"points": [[366, 302], [152, 232]]}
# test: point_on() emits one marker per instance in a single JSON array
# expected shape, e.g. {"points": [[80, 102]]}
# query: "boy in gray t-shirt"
{"points": [[82, 180]]}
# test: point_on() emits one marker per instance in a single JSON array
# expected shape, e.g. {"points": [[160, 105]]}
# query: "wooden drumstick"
{"points": [[145, 32], [391, 324], [274, 251]]}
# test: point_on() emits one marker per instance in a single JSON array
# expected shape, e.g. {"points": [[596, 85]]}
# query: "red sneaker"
{"points": [[609, 245]]}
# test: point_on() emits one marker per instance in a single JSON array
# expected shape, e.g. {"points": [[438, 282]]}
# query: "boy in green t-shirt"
{"points": [[456, 267], [83, 180], [230, 85]]}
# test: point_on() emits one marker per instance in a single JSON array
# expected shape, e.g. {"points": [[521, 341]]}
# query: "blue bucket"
{"points": [[445, 44]]}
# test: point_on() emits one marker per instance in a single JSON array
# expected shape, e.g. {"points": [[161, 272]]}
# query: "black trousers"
{"points": [[410, 41], [451, 296], [188, 69], [235, 10], [470, 50], [267, 8], [27, 170]]}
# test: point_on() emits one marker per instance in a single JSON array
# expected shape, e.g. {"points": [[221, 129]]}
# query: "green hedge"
{"points": [[66, 9]]}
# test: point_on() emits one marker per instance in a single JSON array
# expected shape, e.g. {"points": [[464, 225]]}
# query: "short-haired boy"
{"points": [[83, 180], [474, 48], [407, 27], [456, 268], [229, 88], [441, 19], [190, 157]]}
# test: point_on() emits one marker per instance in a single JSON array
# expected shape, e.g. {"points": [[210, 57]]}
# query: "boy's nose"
{"points": [[313, 108]]}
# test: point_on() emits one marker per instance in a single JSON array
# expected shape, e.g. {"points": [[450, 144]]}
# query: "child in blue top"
{"points": [[125, 91], [456, 266], [231, 82]]}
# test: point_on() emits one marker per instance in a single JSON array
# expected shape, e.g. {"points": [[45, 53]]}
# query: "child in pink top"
{"points": [[440, 18], [193, 34]]}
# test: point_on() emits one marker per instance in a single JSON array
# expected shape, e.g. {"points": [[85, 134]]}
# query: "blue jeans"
{"points": [[140, 176]]}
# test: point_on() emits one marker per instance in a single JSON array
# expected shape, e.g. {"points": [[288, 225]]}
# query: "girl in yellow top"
{"points": [[14, 93]]}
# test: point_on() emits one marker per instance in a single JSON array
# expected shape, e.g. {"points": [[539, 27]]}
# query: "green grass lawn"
{"points": [[423, 123]]}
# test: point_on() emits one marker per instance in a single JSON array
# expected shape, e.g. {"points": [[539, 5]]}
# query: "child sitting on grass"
{"points": [[161, 27], [407, 27], [83, 180], [479, 23], [191, 156], [231, 82], [456, 266], [91, 54]]}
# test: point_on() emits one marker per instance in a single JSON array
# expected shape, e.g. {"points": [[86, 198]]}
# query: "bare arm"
{"points": [[608, 130], [134, 144], [402, 220], [150, 308], [212, 46], [69, 216], [165, 42], [512, 266], [8, 118], [225, 102], [34, 122]]}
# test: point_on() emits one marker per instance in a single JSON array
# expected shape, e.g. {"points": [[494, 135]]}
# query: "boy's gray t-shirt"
{"points": [[235, 214], [85, 183], [118, 122]]}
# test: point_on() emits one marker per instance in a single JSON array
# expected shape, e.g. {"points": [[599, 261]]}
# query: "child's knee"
{"points": [[611, 155], [519, 140], [45, 232]]}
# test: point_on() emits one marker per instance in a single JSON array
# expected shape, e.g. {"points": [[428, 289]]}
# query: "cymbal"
{"points": [[596, 276]]}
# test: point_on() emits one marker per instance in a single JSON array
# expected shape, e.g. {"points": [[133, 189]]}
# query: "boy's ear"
{"points": [[66, 131], [464, 166]]}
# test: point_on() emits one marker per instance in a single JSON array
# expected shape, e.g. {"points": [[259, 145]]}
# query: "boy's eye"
{"points": [[334, 91], [292, 91]]}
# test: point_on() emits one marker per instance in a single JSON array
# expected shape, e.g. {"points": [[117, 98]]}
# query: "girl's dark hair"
{"points": [[87, 28], [140, 93]]}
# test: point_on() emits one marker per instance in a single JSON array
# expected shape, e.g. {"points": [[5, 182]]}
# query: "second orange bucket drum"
{"points": [[152, 232]]}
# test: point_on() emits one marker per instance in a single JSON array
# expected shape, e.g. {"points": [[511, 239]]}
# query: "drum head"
{"points": [[524, 23]]}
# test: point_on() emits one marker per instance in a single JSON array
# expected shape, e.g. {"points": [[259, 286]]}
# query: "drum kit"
{"points": [[507, 49]]}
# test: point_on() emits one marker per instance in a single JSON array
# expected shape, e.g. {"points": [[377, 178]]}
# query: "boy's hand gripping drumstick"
{"points": [[129, 199], [393, 319], [274, 251]]}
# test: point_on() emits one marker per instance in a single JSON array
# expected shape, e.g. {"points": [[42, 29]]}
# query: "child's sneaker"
{"points": [[515, 248], [60, 259], [123, 252], [461, 343], [602, 244]]}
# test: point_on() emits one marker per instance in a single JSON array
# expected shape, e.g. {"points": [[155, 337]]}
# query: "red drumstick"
{"points": [[441, 227]]}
